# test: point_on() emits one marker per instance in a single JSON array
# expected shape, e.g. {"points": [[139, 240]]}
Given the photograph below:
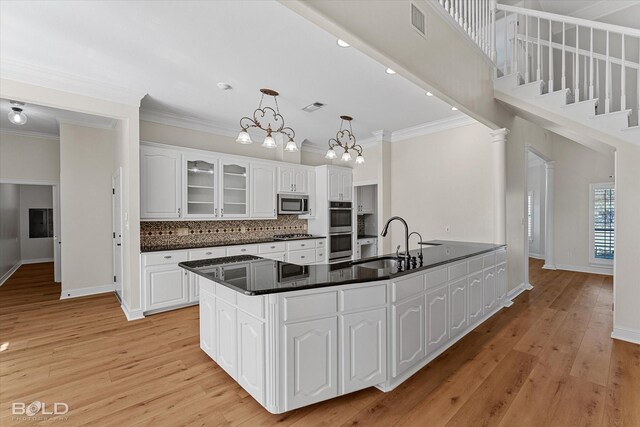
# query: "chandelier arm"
{"points": [[289, 132], [262, 113], [251, 125]]}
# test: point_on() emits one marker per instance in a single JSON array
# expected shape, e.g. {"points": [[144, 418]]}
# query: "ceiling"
{"points": [[177, 52], [43, 121]]}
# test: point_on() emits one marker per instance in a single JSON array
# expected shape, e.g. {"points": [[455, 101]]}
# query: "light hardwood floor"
{"points": [[547, 360]]}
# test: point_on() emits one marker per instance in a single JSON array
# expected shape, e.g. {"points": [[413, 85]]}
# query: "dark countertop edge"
{"points": [[346, 282], [367, 236], [255, 242]]}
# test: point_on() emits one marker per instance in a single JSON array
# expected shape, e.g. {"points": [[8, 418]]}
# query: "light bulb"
{"points": [[429, 94], [343, 43], [17, 117], [346, 157], [269, 142], [244, 138], [291, 146], [454, 109], [390, 71], [359, 159], [331, 154]]}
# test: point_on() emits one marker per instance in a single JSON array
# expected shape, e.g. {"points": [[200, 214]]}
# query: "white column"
{"points": [[549, 257], [499, 169]]}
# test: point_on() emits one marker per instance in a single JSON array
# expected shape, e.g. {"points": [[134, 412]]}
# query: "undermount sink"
{"points": [[385, 263]]}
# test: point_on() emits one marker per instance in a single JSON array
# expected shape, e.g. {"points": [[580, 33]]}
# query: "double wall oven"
{"points": [[340, 231]]}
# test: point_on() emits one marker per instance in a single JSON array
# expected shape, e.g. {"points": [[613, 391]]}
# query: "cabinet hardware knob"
{"points": [[167, 257], [302, 256], [243, 250], [208, 253], [273, 247]]}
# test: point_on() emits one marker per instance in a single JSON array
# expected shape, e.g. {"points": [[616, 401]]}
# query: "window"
{"points": [[602, 223], [530, 216]]}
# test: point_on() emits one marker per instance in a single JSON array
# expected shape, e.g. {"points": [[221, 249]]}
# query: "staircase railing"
{"points": [[476, 17]]}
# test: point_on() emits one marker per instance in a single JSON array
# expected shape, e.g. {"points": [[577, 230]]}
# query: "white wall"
{"points": [[34, 196], [86, 166], [536, 184], [29, 158], [9, 228], [576, 167]]}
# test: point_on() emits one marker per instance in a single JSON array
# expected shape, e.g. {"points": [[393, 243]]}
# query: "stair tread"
{"points": [[556, 92], [611, 113], [580, 103]]}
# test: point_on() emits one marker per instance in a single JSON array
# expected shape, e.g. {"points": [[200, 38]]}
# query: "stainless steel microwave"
{"points": [[293, 204]]}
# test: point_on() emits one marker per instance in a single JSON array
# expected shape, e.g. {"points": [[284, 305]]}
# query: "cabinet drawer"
{"points": [[457, 270], [253, 305], [359, 298], [405, 288], [321, 243], [436, 277], [320, 255], [475, 264], [301, 244], [165, 258], [366, 241], [242, 250], [312, 305], [197, 254], [269, 248], [226, 294], [501, 256], [489, 260], [302, 257]]}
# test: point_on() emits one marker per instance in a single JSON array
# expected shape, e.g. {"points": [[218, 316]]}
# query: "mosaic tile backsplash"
{"points": [[167, 235]]}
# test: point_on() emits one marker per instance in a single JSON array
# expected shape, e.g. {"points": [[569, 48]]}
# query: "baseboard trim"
{"points": [[628, 335], [513, 294], [549, 267], [9, 273], [131, 314], [536, 256], [37, 260], [607, 271], [83, 292]]}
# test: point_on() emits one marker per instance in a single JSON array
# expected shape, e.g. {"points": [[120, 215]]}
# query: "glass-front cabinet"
{"points": [[235, 189], [201, 178]]}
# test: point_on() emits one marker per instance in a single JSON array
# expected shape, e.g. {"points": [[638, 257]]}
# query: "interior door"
{"points": [[116, 181], [57, 249]]}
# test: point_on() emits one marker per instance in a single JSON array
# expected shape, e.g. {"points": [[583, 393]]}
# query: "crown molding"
{"points": [[313, 149], [86, 123], [67, 82], [431, 127], [30, 134]]}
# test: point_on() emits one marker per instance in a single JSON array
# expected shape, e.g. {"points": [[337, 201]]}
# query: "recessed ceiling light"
{"points": [[390, 71], [224, 86], [429, 94], [313, 107], [343, 43], [454, 108]]}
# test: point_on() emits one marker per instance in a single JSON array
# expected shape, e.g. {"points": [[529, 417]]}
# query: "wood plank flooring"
{"points": [[546, 361]]}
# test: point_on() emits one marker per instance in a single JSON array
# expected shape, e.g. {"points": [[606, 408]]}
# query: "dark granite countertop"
{"points": [[252, 275], [179, 246], [367, 236]]}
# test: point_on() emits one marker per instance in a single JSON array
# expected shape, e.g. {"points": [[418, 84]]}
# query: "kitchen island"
{"points": [[293, 335]]}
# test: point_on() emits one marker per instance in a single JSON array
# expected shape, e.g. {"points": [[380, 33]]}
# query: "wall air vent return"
{"points": [[313, 107], [418, 20]]}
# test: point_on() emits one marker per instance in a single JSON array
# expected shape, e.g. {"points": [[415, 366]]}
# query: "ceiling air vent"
{"points": [[313, 107], [418, 20]]}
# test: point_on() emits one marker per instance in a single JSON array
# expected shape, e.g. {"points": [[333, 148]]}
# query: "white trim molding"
{"points": [[109, 125], [624, 334], [83, 292], [9, 273], [514, 293], [499, 178], [192, 123], [432, 127], [536, 256], [36, 260], [30, 134], [607, 271], [131, 314]]}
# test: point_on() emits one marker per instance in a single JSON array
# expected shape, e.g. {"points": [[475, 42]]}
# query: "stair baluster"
{"points": [[551, 87], [623, 78], [564, 62], [591, 89], [607, 82], [577, 65]]}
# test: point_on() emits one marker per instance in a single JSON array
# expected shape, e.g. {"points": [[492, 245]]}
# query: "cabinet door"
{"points": [[208, 323], [311, 191], [476, 303], [346, 184], [226, 344], [160, 179], [501, 282], [263, 191], [408, 334], [200, 176], [251, 357], [311, 362], [167, 286], [366, 199], [489, 280], [300, 181], [364, 349], [235, 189], [285, 180], [437, 318], [335, 185], [194, 288], [458, 305]]}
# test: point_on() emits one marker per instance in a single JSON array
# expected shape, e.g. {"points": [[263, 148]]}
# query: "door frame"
{"points": [[117, 175]]}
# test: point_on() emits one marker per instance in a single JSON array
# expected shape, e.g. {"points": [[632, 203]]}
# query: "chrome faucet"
{"points": [[419, 243], [385, 229]]}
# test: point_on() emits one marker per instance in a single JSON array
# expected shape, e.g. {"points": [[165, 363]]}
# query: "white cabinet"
{"points": [[200, 180], [160, 178], [292, 180], [346, 184], [226, 339], [208, 323], [409, 336], [475, 295], [366, 199], [235, 189], [167, 285], [489, 279], [458, 306], [251, 357], [437, 318], [364, 349], [501, 282], [263, 191], [311, 192], [340, 184], [311, 362]]}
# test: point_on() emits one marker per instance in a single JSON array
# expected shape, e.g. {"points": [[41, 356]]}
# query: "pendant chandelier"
{"points": [[346, 141], [274, 124]]}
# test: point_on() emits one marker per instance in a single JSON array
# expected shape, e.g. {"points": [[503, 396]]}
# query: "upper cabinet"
{"points": [[311, 187], [200, 178], [292, 180], [235, 189], [366, 199], [263, 191], [160, 181], [340, 184]]}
